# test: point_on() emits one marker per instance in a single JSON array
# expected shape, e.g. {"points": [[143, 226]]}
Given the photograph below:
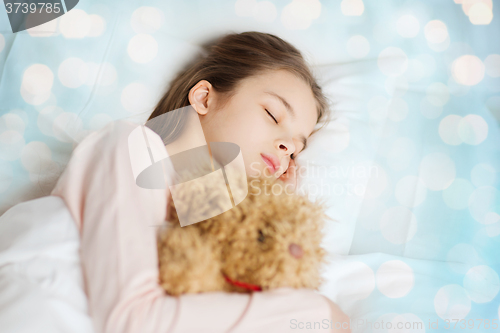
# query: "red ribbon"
{"points": [[245, 285]]}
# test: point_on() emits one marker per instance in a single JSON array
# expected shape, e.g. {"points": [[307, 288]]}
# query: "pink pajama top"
{"points": [[118, 222]]}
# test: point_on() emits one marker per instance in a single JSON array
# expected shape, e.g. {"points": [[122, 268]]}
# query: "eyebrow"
{"points": [[291, 111]]}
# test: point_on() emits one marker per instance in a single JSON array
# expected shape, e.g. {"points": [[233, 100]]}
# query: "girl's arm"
{"points": [[117, 221]]}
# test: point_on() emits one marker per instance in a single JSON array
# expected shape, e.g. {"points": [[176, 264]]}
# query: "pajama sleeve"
{"points": [[118, 221]]}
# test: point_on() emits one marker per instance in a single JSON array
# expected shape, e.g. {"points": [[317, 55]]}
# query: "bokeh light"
{"points": [[52, 100], [481, 284], [46, 117], [448, 129], [438, 94], [468, 70], [461, 257], [492, 227], [36, 84], [265, 11], [12, 122], [37, 79], [299, 14], [408, 26], [492, 65], [493, 104], [396, 86], [11, 144], [457, 89], [244, 7], [75, 24], [35, 156], [352, 7], [392, 61], [436, 32], [480, 12], [483, 200], [452, 302], [2, 42], [441, 46], [97, 26], [73, 72], [67, 127], [468, 4], [473, 129], [147, 20], [483, 174], [142, 48], [109, 74]]}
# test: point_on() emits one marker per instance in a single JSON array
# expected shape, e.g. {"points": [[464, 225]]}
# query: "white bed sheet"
{"points": [[41, 283]]}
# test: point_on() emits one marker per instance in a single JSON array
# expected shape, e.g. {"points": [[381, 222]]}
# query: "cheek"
{"points": [[236, 126], [250, 131], [253, 169]]}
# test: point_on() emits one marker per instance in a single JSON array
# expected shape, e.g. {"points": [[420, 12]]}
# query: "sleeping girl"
{"points": [[252, 89]]}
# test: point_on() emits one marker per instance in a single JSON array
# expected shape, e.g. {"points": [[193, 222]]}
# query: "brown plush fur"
{"points": [[248, 243]]}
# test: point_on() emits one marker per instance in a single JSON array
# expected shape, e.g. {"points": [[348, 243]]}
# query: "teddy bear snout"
{"points": [[296, 251]]}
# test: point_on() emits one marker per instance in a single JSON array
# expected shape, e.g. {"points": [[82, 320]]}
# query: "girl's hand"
{"points": [[290, 176]]}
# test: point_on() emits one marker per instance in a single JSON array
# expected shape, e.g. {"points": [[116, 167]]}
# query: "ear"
{"points": [[200, 96]]}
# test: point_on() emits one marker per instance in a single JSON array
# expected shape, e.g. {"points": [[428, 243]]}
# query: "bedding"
{"points": [[41, 283], [409, 164]]}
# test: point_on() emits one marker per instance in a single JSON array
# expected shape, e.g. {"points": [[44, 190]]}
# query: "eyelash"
{"points": [[269, 113]]}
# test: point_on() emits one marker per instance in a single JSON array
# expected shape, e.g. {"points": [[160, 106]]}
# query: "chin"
{"points": [[257, 170]]}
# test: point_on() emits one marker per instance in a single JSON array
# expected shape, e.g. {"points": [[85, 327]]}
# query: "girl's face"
{"points": [[269, 117]]}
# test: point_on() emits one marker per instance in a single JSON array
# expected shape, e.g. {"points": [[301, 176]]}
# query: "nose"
{"points": [[286, 146], [295, 250]]}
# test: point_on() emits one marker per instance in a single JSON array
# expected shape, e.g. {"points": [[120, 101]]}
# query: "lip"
{"points": [[272, 162]]}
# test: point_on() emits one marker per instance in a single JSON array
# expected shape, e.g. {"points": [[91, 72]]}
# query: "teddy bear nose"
{"points": [[295, 250]]}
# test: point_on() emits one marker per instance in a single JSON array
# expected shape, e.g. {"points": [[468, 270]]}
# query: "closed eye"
{"points": [[269, 113]]}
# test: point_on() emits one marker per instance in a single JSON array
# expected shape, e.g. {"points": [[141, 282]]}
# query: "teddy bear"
{"points": [[271, 239]]}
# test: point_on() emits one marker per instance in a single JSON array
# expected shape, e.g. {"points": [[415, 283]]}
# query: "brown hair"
{"points": [[229, 60]]}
